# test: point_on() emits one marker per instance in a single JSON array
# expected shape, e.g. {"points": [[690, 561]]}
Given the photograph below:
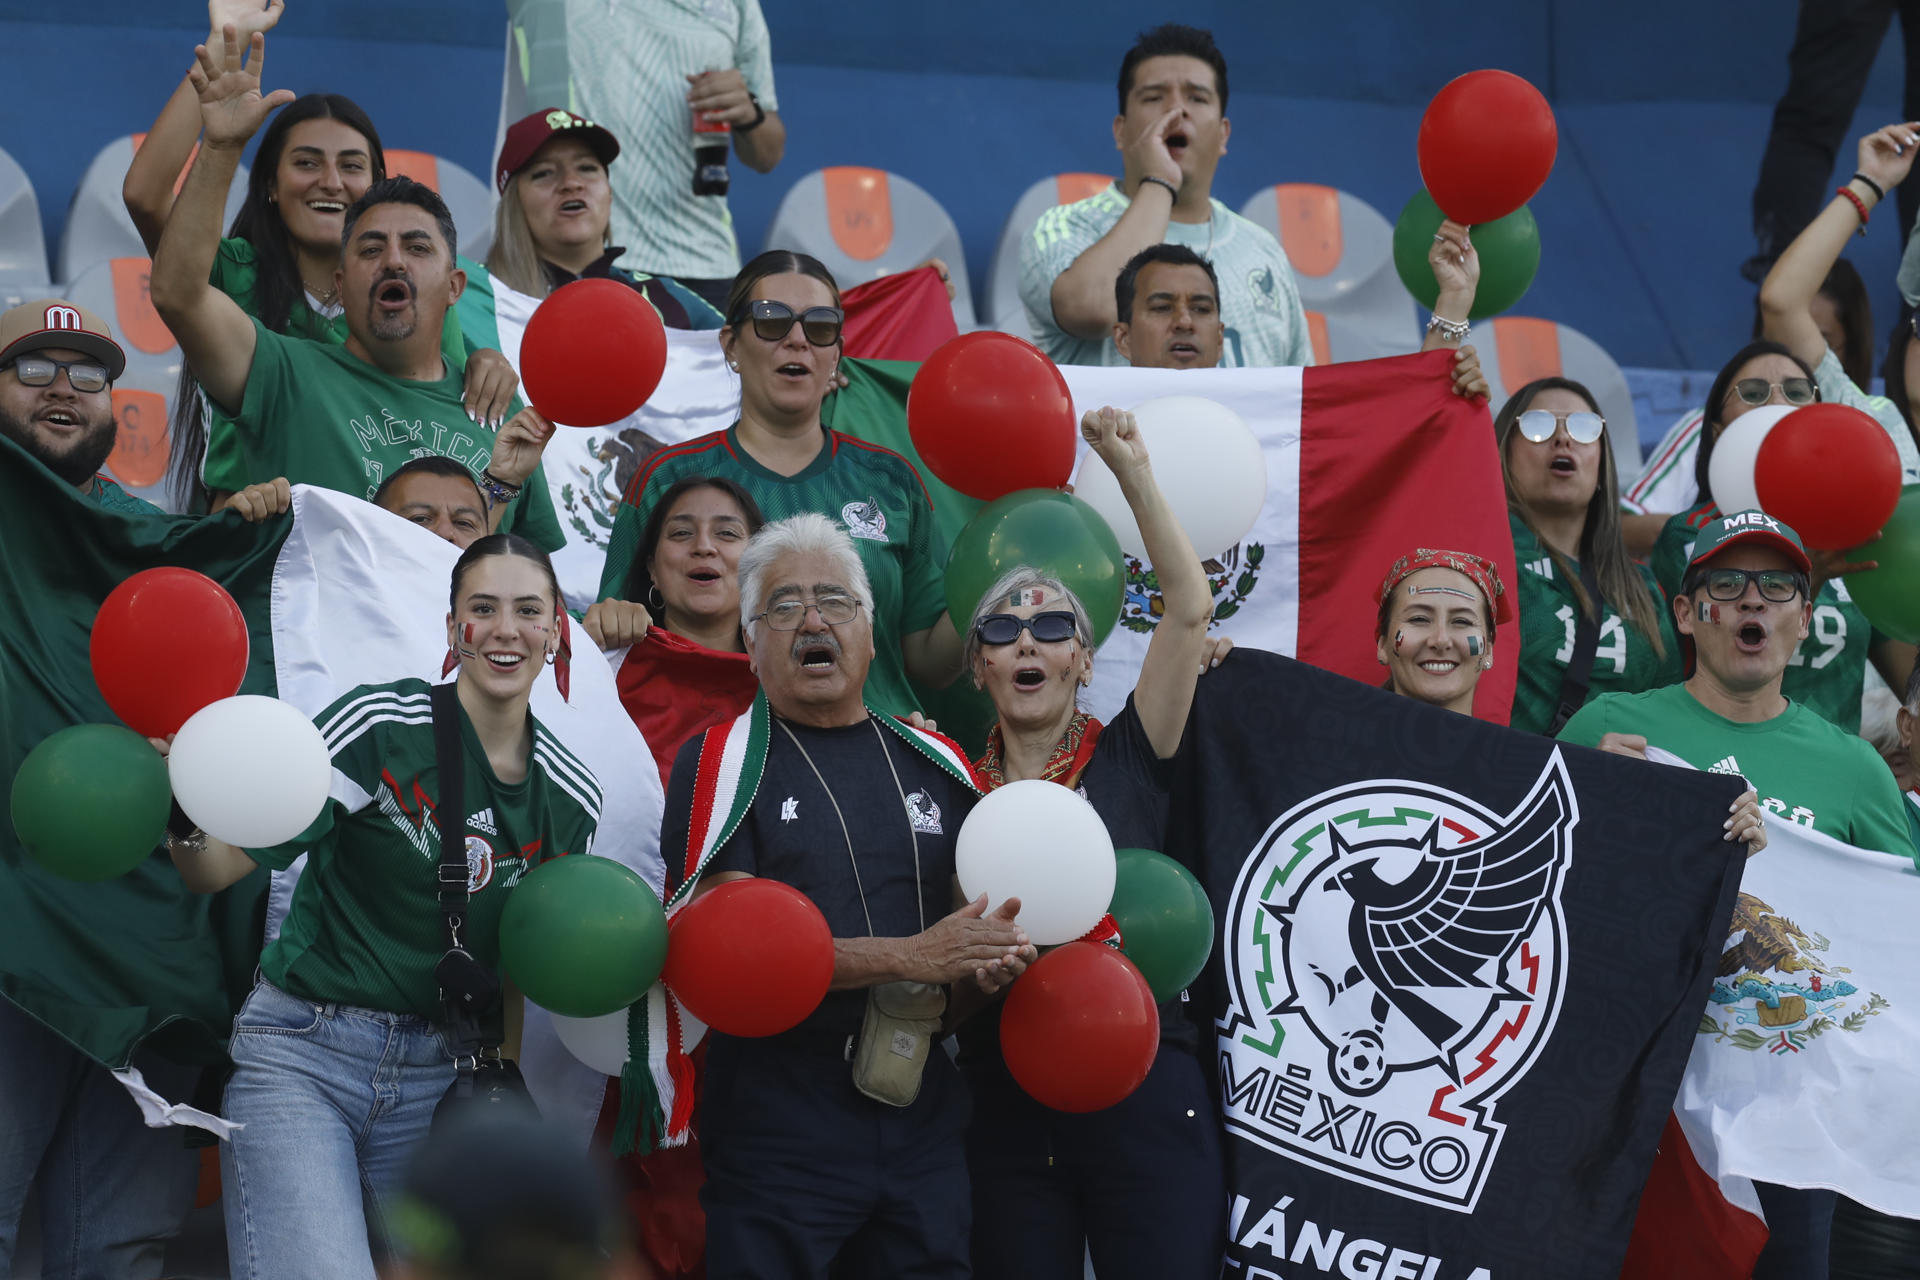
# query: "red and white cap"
{"points": [[55, 322]]}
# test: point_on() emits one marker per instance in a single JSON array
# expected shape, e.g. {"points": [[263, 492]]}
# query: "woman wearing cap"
{"points": [[316, 158], [1591, 619], [1434, 633], [1829, 671], [551, 226], [783, 339], [1141, 1183]]}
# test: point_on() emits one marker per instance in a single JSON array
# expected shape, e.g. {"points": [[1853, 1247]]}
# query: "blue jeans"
{"points": [[335, 1101], [112, 1191]]}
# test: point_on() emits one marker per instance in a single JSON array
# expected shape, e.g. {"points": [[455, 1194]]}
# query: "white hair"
{"points": [[806, 533], [1023, 578]]}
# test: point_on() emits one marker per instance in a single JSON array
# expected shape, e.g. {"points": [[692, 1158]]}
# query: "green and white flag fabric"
{"points": [[337, 594]]}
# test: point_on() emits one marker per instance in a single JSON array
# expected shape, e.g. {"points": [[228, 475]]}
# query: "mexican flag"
{"points": [[337, 593], [1801, 1070]]}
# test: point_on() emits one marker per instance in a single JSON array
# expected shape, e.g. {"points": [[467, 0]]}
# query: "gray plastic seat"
{"points": [[867, 223], [98, 224], [23, 244], [1515, 350], [1341, 249], [1000, 303], [469, 200]]}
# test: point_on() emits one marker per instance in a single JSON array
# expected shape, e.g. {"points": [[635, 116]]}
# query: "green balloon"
{"points": [[91, 801], [1890, 595], [1166, 922], [1053, 532], [583, 936], [1509, 250]]}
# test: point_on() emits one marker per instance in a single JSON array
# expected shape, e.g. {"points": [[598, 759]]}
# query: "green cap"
{"points": [[1749, 526]]}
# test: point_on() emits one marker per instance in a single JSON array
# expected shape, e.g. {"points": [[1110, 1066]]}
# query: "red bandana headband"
{"points": [[1478, 568]]}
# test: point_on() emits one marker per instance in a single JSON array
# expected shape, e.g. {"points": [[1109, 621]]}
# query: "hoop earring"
{"points": [[656, 603]]}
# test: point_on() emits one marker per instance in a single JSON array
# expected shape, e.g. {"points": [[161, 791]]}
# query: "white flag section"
{"points": [[1802, 1073], [360, 597]]}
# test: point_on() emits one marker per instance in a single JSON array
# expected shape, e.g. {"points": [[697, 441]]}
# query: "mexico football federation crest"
{"points": [[1396, 955]]}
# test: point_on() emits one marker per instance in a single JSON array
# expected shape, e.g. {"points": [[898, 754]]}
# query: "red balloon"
{"points": [[750, 957], [1079, 1030], [1487, 143], [165, 643], [989, 414], [592, 353], [1831, 472]]}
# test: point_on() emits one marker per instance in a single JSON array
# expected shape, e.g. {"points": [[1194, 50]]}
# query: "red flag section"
{"points": [[1686, 1230], [898, 317]]}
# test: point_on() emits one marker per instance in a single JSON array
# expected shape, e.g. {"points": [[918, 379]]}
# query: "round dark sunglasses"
{"points": [[772, 321], [1047, 628]]}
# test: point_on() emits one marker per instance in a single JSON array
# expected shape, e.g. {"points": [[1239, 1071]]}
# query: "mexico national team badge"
{"points": [[1396, 956], [479, 863], [865, 520]]}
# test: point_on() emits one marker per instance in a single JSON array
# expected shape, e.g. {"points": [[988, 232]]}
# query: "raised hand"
{"points": [[518, 445], [1115, 436], [232, 108], [245, 16], [1456, 268], [1886, 155], [1148, 151]]}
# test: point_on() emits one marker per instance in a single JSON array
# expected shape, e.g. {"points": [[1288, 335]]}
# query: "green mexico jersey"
{"points": [[318, 414], [874, 494], [365, 928], [1804, 768], [1829, 669], [1624, 661], [114, 498]]}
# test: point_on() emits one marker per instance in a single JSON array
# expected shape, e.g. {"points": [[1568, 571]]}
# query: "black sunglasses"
{"points": [[773, 320], [1047, 628]]}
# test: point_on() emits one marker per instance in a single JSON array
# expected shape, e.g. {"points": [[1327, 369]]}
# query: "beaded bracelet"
{"points": [[1859, 205]]}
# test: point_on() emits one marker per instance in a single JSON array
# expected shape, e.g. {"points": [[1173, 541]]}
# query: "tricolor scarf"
{"points": [[656, 1089]]}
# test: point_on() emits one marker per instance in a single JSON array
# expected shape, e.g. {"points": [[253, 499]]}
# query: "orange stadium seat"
{"points": [[98, 226], [143, 395], [1002, 306], [1341, 249], [468, 199], [867, 223], [1515, 350]]}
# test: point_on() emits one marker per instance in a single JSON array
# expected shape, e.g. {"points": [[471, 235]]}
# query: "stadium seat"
{"points": [[867, 223], [142, 444], [117, 289], [468, 199], [1001, 303], [1515, 350], [98, 226], [23, 245], [1342, 255]]}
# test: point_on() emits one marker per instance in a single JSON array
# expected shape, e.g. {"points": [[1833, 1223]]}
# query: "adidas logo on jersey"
{"points": [[1543, 566], [483, 822], [1728, 765]]}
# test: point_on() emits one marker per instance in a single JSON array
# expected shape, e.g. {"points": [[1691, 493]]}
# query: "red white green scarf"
{"points": [[656, 1089]]}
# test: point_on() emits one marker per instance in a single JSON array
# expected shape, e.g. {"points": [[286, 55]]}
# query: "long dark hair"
{"points": [[1714, 418], [277, 284], [639, 581], [1601, 544]]}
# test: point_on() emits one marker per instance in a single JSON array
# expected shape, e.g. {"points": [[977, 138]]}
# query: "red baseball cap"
{"points": [[533, 132]]}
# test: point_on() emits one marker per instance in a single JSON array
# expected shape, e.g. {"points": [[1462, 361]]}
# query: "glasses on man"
{"points": [[773, 320], [1538, 425], [40, 371], [833, 610], [1047, 628], [1757, 391], [1777, 585]]}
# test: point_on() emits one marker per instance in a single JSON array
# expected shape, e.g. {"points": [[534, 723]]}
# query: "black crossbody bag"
{"points": [[1586, 641], [467, 988]]}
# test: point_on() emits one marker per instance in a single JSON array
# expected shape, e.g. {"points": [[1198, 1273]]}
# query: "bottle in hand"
{"points": [[710, 141]]}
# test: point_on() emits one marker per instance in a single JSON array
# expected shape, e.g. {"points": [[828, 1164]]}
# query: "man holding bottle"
{"points": [[682, 81]]}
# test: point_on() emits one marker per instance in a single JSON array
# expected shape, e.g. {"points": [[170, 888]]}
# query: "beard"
{"points": [[396, 326], [74, 461]]}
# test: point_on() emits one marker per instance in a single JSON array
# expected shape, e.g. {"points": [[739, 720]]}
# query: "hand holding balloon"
{"points": [[1886, 155], [1456, 270]]}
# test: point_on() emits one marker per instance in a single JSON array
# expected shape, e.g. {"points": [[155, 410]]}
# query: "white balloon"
{"points": [[600, 1042], [1208, 463], [1041, 843], [1730, 469], [251, 771]]}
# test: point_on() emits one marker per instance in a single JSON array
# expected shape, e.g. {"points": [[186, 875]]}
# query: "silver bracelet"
{"points": [[1449, 330]]}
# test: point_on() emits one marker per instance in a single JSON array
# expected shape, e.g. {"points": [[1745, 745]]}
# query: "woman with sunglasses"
{"points": [[319, 154], [1828, 672], [1563, 503], [783, 339], [1141, 1183]]}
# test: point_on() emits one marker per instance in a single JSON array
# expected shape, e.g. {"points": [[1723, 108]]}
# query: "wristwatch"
{"points": [[759, 116]]}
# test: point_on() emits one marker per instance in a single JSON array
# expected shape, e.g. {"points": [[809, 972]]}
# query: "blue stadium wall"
{"points": [[1663, 109]]}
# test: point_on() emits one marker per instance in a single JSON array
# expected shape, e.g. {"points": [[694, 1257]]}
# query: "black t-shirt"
{"points": [[792, 834]]}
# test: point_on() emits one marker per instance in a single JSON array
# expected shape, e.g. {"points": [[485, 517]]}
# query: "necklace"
{"points": [[330, 297], [919, 898]]}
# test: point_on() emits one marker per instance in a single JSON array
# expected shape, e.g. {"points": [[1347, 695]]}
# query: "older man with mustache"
{"points": [[844, 1136]]}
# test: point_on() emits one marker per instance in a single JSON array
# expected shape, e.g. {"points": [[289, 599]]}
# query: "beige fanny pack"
{"points": [[903, 1019]]}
